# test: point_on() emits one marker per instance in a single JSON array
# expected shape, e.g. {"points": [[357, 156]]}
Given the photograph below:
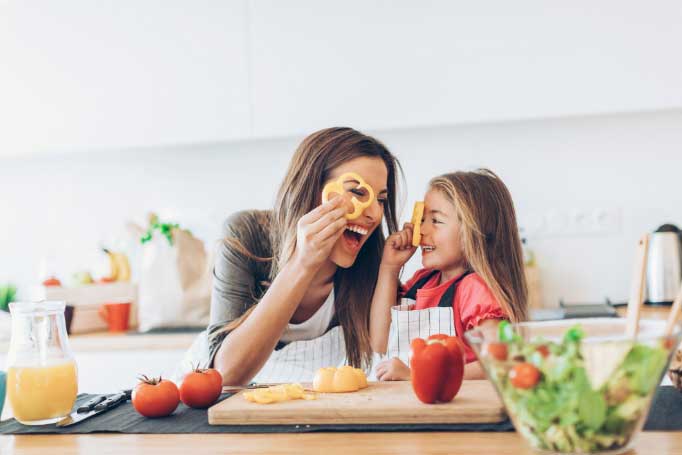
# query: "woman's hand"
{"points": [[393, 370], [398, 248], [317, 232]]}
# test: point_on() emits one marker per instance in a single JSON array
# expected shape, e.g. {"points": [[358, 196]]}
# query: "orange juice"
{"points": [[42, 393]]}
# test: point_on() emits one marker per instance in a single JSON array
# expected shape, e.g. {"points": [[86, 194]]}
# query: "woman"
{"points": [[292, 288]]}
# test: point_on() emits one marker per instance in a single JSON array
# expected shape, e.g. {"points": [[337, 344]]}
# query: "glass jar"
{"points": [[42, 379]]}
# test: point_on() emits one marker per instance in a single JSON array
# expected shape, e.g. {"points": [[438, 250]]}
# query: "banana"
{"points": [[123, 268], [119, 266]]}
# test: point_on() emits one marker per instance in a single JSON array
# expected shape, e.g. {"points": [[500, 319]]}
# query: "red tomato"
{"points": [[498, 351], [543, 350], [52, 281], [524, 375], [155, 397], [201, 388]]}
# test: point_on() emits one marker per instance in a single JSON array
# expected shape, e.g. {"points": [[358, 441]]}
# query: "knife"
{"points": [[95, 406], [253, 385]]}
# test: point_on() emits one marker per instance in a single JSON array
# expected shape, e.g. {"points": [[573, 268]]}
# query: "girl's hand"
{"points": [[398, 248], [393, 370], [317, 232]]}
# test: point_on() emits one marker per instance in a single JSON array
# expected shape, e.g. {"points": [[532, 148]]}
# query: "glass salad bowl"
{"points": [[577, 385]]}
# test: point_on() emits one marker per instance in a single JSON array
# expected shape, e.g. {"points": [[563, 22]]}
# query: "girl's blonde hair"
{"points": [[300, 192], [489, 235]]}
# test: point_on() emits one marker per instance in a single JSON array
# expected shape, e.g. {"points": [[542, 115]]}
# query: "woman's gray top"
{"points": [[238, 280]]}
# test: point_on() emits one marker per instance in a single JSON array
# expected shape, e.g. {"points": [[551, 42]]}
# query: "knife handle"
{"points": [[91, 403], [112, 401]]}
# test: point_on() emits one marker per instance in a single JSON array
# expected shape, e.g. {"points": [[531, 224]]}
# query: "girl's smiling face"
{"points": [[440, 244]]}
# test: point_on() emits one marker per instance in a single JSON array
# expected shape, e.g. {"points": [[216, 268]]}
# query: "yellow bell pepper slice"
{"points": [[338, 380], [336, 186], [277, 394], [417, 215]]}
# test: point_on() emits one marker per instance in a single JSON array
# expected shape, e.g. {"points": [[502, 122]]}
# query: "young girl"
{"points": [[472, 275]]}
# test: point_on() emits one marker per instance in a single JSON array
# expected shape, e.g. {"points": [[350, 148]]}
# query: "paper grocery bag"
{"points": [[175, 282]]}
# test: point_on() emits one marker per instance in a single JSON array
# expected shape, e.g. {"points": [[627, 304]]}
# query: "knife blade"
{"points": [[253, 385], [95, 406]]}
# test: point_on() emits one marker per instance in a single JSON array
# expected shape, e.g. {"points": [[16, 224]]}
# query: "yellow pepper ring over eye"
{"points": [[336, 186]]}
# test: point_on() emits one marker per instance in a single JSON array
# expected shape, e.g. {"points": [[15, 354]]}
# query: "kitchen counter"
{"points": [[107, 341], [669, 443]]}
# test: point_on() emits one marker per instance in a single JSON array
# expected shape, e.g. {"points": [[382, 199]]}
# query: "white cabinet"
{"points": [[393, 64], [83, 75]]}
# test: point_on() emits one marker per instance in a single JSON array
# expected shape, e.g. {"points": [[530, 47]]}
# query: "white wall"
{"points": [[65, 206]]}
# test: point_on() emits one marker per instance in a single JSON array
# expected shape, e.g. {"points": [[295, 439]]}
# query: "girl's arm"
{"points": [[385, 296], [397, 251], [245, 350]]}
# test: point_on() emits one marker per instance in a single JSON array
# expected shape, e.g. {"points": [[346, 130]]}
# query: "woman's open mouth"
{"points": [[353, 237]]}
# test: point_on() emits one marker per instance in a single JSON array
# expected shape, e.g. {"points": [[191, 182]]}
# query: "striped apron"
{"points": [[297, 361], [408, 323]]}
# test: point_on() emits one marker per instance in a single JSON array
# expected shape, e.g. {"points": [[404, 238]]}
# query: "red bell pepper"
{"points": [[437, 368]]}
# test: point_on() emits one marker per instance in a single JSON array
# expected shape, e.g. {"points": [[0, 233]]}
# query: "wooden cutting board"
{"points": [[380, 402]]}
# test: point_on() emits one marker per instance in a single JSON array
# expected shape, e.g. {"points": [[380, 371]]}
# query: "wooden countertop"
{"points": [[669, 443]]}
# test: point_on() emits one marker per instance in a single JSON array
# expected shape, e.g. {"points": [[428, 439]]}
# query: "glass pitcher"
{"points": [[42, 379]]}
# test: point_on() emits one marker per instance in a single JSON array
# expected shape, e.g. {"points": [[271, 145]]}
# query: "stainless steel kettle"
{"points": [[664, 265]]}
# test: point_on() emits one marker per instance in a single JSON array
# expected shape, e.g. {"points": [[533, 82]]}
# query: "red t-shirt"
{"points": [[473, 302]]}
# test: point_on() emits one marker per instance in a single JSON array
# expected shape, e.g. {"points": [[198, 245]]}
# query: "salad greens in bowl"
{"points": [[577, 385]]}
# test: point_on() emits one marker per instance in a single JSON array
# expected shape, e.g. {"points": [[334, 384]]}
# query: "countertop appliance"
{"points": [[664, 265]]}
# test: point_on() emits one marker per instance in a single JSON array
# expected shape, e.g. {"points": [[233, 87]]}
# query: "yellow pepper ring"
{"points": [[417, 215], [336, 186]]}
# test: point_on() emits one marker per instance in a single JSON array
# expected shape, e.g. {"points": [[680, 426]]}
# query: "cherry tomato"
{"points": [[155, 397], [543, 350], [201, 388], [498, 351], [524, 375]]}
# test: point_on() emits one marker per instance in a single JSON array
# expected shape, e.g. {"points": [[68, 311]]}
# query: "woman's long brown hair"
{"points": [[489, 234], [300, 192]]}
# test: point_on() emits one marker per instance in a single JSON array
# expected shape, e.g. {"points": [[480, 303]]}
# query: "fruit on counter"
{"points": [[277, 394], [338, 380], [52, 281], [81, 278], [436, 368], [155, 397], [119, 266], [337, 187], [201, 388], [417, 215]]}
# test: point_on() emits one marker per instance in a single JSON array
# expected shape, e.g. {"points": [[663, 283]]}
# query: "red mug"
{"points": [[116, 316]]}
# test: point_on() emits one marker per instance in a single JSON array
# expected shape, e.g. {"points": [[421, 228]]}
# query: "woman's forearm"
{"points": [[385, 296], [245, 350]]}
